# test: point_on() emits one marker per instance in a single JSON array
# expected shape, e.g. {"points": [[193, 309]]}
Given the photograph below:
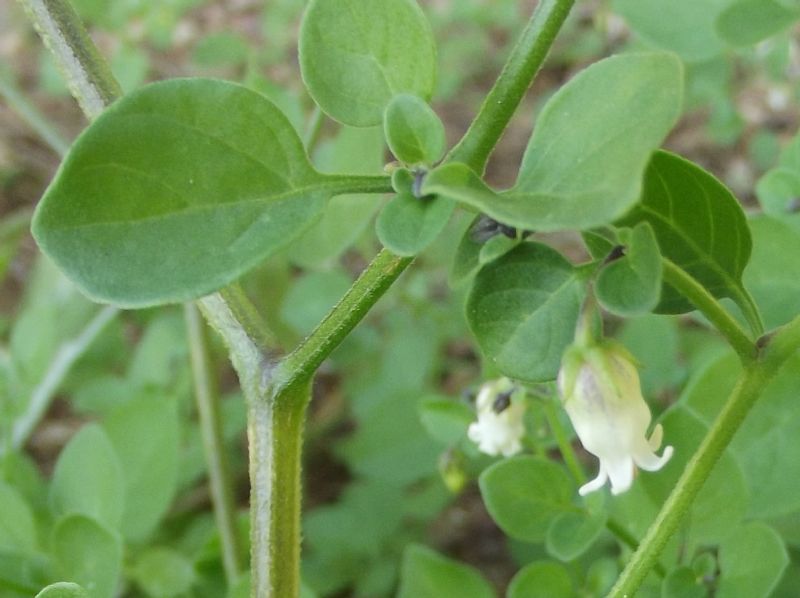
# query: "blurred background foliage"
{"points": [[388, 470]]}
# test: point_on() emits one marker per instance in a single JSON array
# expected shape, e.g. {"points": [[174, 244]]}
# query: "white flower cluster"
{"points": [[499, 429]]}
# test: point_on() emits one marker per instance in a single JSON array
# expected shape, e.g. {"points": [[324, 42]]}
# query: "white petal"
{"points": [[594, 484], [656, 437], [621, 473], [651, 462]]}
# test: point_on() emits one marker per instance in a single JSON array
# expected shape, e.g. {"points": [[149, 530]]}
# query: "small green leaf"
{"points": [[87, 553], [413, 131], [699, 225], [63, 589], [17, 526], [542, 579], [683, 26], [631, 285], [427, 574], [162, 572], [445, 420], [582, 168], [778, 191], [165, 197], [682, 582], [742, 575], [145, 436], [523, 308], [356, 55], [88, 478], [408, 224], [573, 533], [747, 22], [525, 494]]}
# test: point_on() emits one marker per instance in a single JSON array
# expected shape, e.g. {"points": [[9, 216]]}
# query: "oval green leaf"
{"points": [[748, 22], [542, 579], [683, 582], [743, 576], [582, 168], [408, 224], [356, 55], [175, 191], [573, 533], [413, 130], [699, 225], [525, 494], [523, 308], [87, 553], [427, 574], [631, 285], [162, 571], [88, 478]]}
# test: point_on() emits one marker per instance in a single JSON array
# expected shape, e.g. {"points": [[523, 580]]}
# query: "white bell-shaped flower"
{"points": [[600, 389], [499, 429]]}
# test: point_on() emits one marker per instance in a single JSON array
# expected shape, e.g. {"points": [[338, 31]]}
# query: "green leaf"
{"points": [[525, 494], [445, 420], [742, 575], [523, 308], [631, 285], [582, 168], [24, 572], [346, 217], [145, 436], [747, 22], [63, 589], [777, 191], [165, 197], [772, 280], [356, 55], [683, 26], [427, 574], [683, 582], [699, 225], [542, 579], [413, 131], [311, 297], [17, 526], [162, 572], [573, 533], [88, 554], [408, 224], [88, 478], [474, 251]]}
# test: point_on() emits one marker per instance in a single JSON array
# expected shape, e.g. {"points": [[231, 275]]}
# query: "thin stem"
{"points": [[563, 442], [374, 281], [711, 308], [219, 480], [749, 387], [340, 184], [516, 77], [65, 357], [31, 114], [248, 317], [275, 432], [750, 310], [88, 76]]}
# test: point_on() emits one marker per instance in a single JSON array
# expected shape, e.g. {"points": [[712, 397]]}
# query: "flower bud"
{"points": [[600, 389], [499, 429]]}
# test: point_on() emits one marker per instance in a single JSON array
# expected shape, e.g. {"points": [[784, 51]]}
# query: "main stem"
{"points": [[755, 377]]}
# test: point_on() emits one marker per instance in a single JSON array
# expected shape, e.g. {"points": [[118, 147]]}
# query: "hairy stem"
{"points": [[711, 308], [516, 77], [88, 76], [207, 400], [755, 377]]}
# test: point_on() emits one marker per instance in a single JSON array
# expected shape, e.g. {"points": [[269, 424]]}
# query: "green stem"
{"points": [[749, 387], [275, 432], [20, 104], [516, 77], [750, 310], [88, 76], [313, 129], [219, 482], [711, 308], [339, 184], [300, 365], [249, 317]]}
